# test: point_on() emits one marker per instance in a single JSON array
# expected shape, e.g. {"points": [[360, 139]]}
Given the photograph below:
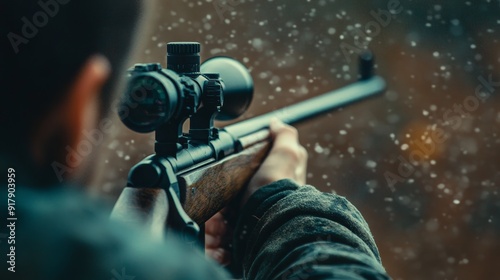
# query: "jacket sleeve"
{"points": [[287, 231]]}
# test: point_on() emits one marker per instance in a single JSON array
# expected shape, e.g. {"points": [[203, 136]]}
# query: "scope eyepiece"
{"points": [[151, 97]]}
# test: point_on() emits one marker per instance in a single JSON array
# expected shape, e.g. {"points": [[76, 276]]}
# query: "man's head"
{"points": [[59, 60]]}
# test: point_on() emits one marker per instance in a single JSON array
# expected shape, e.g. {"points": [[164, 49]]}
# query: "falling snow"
{"points": [[429, 128]]}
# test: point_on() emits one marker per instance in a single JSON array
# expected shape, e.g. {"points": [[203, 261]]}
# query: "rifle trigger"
{"points": [[180, 221]]}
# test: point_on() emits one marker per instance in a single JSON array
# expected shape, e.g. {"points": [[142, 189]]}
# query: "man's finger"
{"points": [[216, 225], [213, 241], [222, 256], [283, 134]]}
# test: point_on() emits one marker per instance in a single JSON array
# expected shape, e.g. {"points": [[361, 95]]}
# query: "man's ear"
{"points": [[79, 109]]}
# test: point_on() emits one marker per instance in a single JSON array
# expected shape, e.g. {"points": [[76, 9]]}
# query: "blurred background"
{"points": [[440, 218]]}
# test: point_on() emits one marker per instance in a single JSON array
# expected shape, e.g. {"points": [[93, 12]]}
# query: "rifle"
{"points": [[194, 175]]}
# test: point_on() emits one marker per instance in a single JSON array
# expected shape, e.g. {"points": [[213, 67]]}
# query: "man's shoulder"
{"points": [[71, 233], [59, 212], [59, 228]]}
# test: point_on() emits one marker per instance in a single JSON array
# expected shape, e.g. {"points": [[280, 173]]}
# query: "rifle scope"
{"points": [[156, 96]]}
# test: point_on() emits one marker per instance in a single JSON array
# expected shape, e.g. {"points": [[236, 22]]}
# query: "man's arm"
{"points": [[287, 231]]}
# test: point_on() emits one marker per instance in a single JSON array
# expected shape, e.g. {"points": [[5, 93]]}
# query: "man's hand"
{"points": [[287, 159]]}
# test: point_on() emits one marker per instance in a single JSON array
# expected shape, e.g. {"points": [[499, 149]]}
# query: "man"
{"points": [[59, 62]]}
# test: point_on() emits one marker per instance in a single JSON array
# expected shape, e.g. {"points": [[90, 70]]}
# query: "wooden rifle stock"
{"points": [[211, 188]]}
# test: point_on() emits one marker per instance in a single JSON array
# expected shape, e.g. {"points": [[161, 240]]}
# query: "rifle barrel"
{"points": [[312, 107]]}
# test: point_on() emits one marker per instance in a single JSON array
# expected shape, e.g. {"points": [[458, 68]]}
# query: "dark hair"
{"points": [[44, 45]]}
